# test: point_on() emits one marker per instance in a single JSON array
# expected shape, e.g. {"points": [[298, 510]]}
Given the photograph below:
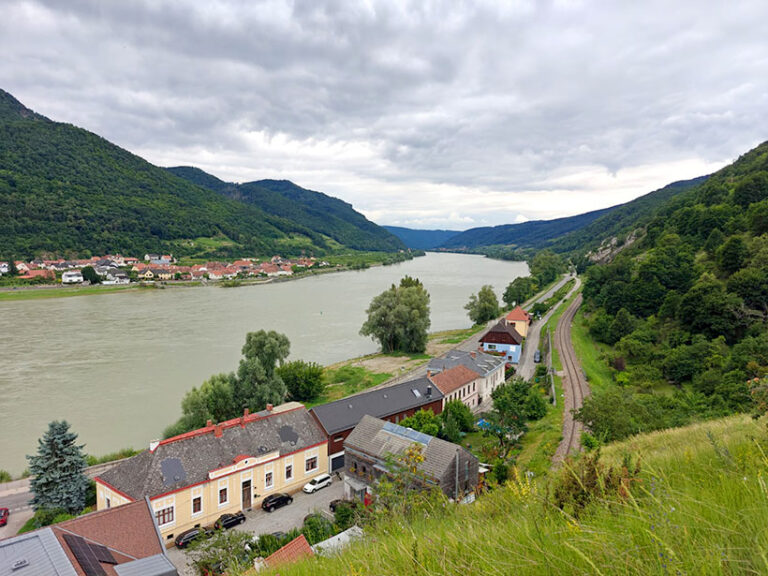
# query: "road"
{"points": [[575, 386]]}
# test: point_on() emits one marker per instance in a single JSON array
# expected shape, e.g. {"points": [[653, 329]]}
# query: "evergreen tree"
{"points": [[58, 478], [12, 270]]}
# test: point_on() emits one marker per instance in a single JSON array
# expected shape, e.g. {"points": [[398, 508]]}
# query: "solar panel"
{"points": [[84, 555], [102, 553], [407, 433]]}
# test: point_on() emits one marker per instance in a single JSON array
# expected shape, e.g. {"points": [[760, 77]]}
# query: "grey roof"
{"points": [[346, 413], [157, 565], [478, 362], [43, 554], [378, 439], [187, 461]]}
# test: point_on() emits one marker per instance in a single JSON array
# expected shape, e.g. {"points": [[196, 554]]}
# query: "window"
{"points": [[109, 503], [473, 386], [223, 497], [310, 464], [268, 480], [164, 516], [197, 504], [289, 471]]}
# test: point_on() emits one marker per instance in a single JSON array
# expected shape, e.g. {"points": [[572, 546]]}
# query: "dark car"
{"points": [[274, 501], [226, 521], [341, 502], [4, 513], [185, 538], [537, 356]]}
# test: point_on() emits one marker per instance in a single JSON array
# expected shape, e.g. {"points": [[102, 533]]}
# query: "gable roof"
{"points": [[379, 439], [518, 315], [454, 378], [346, 413], [502, 333], [187, 459], [295, 550], [127, 532], [479, 362]]}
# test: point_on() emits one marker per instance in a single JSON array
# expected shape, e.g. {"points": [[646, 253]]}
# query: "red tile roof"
{"points": [[296, 549], [454, 378], [519, 315], [128, 531]]}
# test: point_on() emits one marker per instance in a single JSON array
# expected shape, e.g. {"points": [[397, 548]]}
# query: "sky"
{"points": [[421, 114]]}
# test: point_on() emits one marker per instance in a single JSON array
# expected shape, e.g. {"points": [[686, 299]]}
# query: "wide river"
{"points": [[117, 365]]}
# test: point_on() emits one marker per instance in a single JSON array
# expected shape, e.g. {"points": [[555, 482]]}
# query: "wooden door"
{"points": [[247, 492]]}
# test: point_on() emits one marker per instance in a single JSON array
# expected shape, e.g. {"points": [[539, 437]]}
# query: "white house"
{"points": [[72, 277]]}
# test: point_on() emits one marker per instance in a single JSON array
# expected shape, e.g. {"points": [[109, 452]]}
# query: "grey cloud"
{"points": [[496, 102]]}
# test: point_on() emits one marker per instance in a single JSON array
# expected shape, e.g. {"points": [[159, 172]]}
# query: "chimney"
{"points": [[153, 444], [429, 390], [246, 412], [218, 430], [270, 407], [209, 423], [244, 417]]}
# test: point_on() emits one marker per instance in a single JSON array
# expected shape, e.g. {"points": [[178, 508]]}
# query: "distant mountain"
{"points": [[422, 239], [66, 191], [532, 234], [329, 216]]}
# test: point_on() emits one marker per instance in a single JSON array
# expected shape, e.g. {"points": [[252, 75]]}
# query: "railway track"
{"points": [[575, 386]]}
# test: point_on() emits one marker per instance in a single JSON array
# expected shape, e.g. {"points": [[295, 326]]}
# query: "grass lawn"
{"points": [[455, 336], [475, 443], [591, 354], [345, 380], [60, 292]]}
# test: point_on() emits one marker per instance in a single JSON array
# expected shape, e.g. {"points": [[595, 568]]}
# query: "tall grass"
{"points": [[700, 506]]}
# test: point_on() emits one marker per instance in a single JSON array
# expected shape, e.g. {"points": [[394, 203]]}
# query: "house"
{"points": [[504, 340], [194, 478], [44, 274], [392, 403], [72, 277], [116, 276], [373, 441], [121, 541], [458, 383], [491, 368], [296, 549], [4, 267], [146, 274], [519, 319]]}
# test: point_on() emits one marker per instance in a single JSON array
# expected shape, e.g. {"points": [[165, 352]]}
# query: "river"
{"points": [[117, 365]]}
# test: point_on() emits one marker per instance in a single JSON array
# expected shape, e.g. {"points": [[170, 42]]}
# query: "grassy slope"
{"points": [[700, 508], [590, 354]]}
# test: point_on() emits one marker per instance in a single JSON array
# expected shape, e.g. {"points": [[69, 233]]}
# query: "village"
{"points": [[241, 471], [116, 269]]}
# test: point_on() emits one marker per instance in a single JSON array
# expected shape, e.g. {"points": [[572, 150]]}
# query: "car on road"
{"points": [[317, 483], [185, 538], [4, 513], [227, 521], [274, 501], [537, 356]]}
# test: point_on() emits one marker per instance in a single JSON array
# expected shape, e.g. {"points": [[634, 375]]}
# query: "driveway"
{"points": [[281, 520]]}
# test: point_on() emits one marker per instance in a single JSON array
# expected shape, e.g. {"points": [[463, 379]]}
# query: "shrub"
{"points": [[5, 476]]}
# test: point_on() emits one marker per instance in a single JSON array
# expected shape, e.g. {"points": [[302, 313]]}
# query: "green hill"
{"points": [[329, 216], [697, 506], [66, 191]]}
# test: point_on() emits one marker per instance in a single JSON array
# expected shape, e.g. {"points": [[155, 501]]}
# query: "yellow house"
{"points": [[519, 319], [194, 478]]}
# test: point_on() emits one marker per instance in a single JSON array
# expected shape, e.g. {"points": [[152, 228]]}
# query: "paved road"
{"points": [[575, 386], [281, 520]]}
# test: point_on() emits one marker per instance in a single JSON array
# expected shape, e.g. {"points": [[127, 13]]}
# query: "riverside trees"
{"points": [[398, 318], [484, 306]]}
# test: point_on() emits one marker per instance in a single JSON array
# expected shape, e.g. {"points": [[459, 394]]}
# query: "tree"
{"points": [[227, 551], [304, 380], [460, 413], [506, 421], [257, 382], [58, 480], [622, 325], [269, 348], [89, 275], [399, 317], [483, 307], [732, 255], [546, 266], [519, 290], [12, 269], [423, 421], [751, 189]]}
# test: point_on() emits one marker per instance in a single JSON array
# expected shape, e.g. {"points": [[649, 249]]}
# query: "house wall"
{"points": [[468, 476], [521, 327], [232, 480], [508, 349], [468, 394], [490, 383]]}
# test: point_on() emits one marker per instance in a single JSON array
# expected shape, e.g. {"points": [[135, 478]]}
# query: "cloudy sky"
{"points": [[422, 114]]}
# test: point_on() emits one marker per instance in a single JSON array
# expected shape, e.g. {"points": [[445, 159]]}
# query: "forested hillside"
{"points": [[422, 239], [322, 213], [682, 313], [66, 191]]}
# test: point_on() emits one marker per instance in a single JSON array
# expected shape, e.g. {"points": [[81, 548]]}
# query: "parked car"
{"points": [[274, 501], [4, 513], [184, 539], [537, 356], [226, 521], [316, 483]]}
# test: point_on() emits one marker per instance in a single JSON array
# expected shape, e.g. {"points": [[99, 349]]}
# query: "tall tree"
{"points": [[304, 380], [519, 290], [58, 480], [484, 306], [399, 317]]}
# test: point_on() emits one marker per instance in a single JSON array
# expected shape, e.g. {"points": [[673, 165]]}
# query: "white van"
{"points": [[317, 482]]}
